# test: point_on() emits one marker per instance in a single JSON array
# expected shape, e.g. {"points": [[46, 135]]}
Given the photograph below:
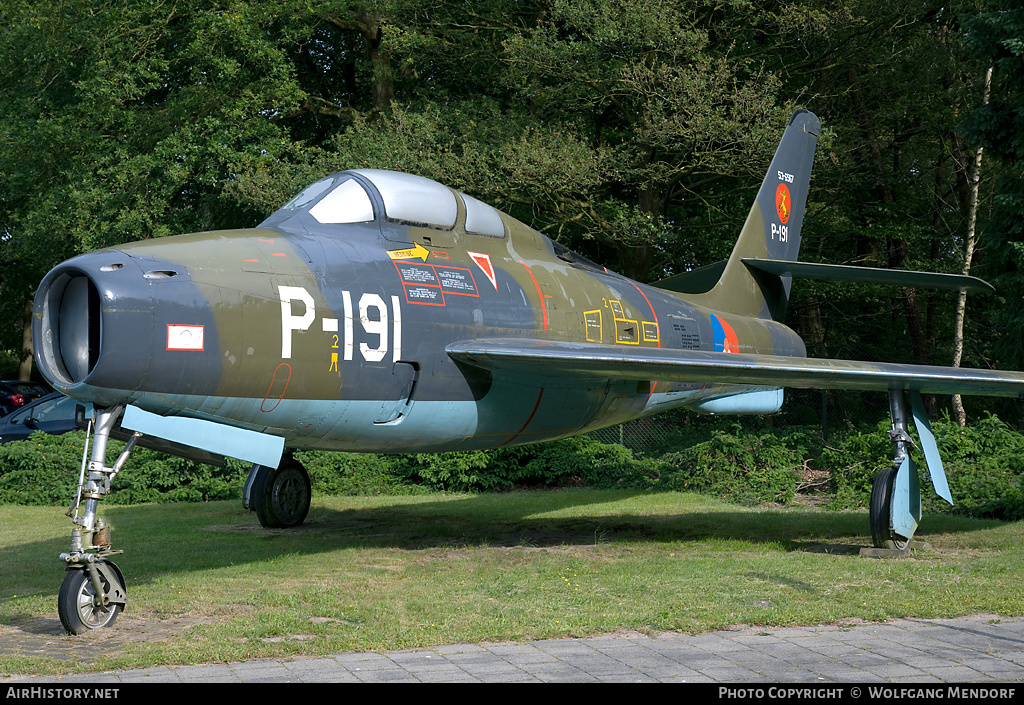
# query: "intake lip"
{"points": [[70, 327]]}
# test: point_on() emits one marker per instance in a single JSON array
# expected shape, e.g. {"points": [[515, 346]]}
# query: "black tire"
{"points": [[77, 612], [882, 534], [281, 496]]}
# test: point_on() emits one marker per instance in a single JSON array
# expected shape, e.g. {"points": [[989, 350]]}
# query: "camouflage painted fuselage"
{"points": [[334, 335]]}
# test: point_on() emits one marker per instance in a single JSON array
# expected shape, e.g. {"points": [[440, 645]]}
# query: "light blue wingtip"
{"points": [[930, 448]]}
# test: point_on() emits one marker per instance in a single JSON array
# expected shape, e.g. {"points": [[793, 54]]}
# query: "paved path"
{"points": [[982, 648]]}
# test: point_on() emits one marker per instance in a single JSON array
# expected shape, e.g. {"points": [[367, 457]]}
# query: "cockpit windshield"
{"points": [[407, 199], [309, 194], [347, 203], [481, 218]]}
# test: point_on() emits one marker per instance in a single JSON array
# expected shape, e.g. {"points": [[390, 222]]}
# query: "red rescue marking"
{"points": [[484, 263], [653, 385], [652, 311], [273, 381]]}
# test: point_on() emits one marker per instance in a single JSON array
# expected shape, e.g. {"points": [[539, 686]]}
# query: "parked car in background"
{"points": [[15, 394], [54, 414]]}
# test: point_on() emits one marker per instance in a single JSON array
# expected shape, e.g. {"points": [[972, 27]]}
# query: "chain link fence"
{"points": [[832, 413]]}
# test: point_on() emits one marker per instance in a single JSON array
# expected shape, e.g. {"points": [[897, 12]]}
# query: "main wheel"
{"points": [[281, 495], [75, 604], [882, 534]]}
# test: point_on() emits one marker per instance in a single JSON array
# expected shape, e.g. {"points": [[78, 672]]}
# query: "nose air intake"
{"points": [[70, 323]]}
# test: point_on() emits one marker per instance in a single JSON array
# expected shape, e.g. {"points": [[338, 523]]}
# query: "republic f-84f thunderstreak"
{"points": [[383, 312]]}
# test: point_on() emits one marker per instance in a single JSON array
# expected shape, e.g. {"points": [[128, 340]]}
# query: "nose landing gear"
{"points": [[93, 591]]}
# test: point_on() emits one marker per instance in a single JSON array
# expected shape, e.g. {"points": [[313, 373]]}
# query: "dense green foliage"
{"points": [[984, 465], [996, 37], [741, 466], [579, 461], [44, 470]]}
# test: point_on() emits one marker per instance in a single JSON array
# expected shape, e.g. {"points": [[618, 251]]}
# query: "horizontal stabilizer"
{"points": [[565, 361], [869, 275]]}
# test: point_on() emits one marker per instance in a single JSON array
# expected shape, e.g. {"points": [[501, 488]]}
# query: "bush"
{"points": [[44, 470], [984, 466], [852, 463], [150, 476], [571, 461], [333, 473], [749, 468]]}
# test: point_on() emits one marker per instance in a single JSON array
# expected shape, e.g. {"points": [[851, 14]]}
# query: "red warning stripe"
{"points": [[540, 295], [532, 414]]}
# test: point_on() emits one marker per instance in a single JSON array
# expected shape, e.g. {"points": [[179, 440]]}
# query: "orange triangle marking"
{"points": [[484, 263]]}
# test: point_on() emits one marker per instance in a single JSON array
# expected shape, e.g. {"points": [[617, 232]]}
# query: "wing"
{"points": [[587, 360]]}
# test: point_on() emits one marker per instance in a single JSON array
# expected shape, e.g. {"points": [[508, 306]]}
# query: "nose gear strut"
{"points": [[93, 591]]}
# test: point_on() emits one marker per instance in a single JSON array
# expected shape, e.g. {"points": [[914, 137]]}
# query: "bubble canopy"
{"points": [[407, 198]]}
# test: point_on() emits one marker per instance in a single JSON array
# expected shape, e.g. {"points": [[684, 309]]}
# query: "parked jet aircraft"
{"points": [[384, 312]]}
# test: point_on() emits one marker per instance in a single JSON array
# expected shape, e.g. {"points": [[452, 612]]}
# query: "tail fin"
{"points": [[771, 231]]}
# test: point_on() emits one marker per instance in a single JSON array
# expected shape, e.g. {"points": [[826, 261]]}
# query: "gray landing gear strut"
{"points": [[93, 591], [895, 508]]}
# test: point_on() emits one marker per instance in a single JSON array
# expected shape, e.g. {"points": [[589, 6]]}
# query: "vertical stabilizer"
{"points": [[772, 228]]}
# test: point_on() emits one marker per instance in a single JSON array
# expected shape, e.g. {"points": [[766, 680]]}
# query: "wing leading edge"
{"points": [[566, 360]]}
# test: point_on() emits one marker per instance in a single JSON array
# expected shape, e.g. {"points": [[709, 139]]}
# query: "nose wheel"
{"points": [[93, 591], [81, 607]]}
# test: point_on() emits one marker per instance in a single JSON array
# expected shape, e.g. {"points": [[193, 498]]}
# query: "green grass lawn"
{"points": [[367, 573]]}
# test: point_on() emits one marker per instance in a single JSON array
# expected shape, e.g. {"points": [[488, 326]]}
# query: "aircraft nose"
{"points": [[104, 324], [68, 320]]}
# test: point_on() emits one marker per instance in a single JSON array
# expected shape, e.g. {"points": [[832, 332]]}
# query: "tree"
{"points": [[959, 414], [124, 120], [995, 36]]}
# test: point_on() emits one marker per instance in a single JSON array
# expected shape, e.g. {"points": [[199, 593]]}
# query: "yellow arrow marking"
{"points": [[419, 251]]}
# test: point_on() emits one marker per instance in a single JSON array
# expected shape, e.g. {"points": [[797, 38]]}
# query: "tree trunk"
{"points": [[371, 27], [961, 303], [25, 370]]}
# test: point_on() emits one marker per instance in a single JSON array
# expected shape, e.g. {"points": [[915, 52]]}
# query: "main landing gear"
{"points": [[895, 508], [279, 496], [880, 511]]}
